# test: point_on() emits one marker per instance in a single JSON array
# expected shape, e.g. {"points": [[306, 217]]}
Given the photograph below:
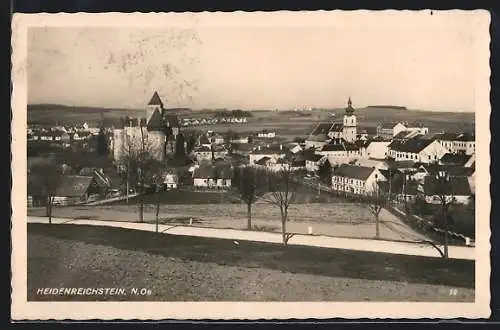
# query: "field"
{"points": [[340, 220], [177, 268], [288, 124]]}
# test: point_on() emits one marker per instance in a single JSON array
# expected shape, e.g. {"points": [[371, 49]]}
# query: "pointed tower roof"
{"points": [[155, 100], [155, 122], [349, 110]]}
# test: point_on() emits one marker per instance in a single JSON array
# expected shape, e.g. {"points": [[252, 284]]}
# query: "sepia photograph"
{"points": [[307, 158]]}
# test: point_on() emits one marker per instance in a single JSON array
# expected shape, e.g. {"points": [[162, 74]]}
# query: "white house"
{"points": [[313, 162], [209, 176], [171, 181], [416, 149], [458, 189], [206, 153], [266, 134], [377, 149], [388, 130], [358, 180], [457, 142], [243, 140], [272, 151]]}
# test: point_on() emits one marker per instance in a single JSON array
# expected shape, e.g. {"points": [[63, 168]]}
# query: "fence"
{"points": [[422, 225]]}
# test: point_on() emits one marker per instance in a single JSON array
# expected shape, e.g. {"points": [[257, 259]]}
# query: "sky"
{"points": [[255, 67]]}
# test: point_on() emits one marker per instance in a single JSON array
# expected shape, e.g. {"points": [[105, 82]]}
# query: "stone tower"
{"points": [[154, 104], [349, 131], [155, 127]]}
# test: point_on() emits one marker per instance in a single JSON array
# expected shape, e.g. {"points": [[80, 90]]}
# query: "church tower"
{"points": [[349, 131]]}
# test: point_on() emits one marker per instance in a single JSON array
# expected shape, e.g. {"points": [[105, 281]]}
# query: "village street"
{"points": [[372, 245]]}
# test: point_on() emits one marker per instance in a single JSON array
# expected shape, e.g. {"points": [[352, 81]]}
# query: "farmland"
{"points": [[177, 268], [343, 220], [287, 124]]}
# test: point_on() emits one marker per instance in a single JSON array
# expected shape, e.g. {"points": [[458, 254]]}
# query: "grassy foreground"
{"points": [[181, 268]]}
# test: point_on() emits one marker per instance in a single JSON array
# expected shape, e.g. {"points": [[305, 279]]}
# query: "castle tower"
{"points": [[154, 104], [349, 131], [156, 135]]}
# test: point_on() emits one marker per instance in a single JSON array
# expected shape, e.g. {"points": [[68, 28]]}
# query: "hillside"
{"points": [[286, 122]]}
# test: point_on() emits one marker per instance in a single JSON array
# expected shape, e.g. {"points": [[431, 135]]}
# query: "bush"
{"points": [[421, 207]]}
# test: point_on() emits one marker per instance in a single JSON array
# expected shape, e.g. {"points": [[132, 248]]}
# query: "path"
{"points": [[383, 246]]}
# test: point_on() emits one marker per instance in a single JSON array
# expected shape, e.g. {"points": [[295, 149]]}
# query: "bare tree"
{"points": [[281, 192], [248, 181], [47, 176], [376, 200], [444, 193], [156, 177]]}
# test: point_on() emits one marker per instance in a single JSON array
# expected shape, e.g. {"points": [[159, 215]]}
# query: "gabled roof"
{"points": [[322, 129], [354, 172], [454, 159], [333, 147], [452, 170], [337, 127], [270, 150], [155, 100], [74, 185], [202, 149], [405, 134], [449, 136], [458, 186], [413, 145], [313, 157], [263, 160], [155, 122], [389, 125], [212, 172]]}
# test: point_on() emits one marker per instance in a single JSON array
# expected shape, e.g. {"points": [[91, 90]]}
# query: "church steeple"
{"points": [[349, 110]]}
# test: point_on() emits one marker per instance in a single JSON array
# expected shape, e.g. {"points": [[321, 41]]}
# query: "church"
{"points": [[345, 131], [156, 133]]}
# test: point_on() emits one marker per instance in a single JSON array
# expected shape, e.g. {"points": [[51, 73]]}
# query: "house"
{"points": [[76, 189], [215, 138], [319, 135], [171, 181], [426, 170], [103, 180], [294, 147], [266, 134], [358, 180], [460, 159], [339, 151], [242, 149], [271, 151], [457, 189], [209, 153], [377, 149], [239, 140], [416, 149], [406, 134], [336, 131], [369, 162], [457, 142], [210, 176], [203, 152], [313, 162], [388, 130], [418, 128]]}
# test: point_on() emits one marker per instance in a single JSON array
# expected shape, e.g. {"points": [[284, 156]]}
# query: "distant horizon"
{"points": [[242, 108]]}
